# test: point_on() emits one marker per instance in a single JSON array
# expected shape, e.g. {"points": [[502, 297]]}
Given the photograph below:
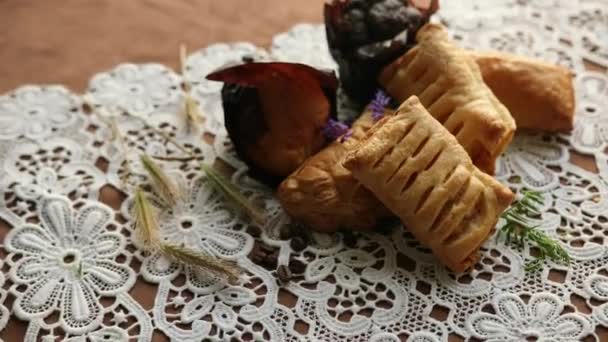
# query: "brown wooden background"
{"points": [[68, 41]]}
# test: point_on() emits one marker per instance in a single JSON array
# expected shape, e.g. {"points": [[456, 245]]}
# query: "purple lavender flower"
{"points": [[378, 104], [346, 135], [334, 129]]}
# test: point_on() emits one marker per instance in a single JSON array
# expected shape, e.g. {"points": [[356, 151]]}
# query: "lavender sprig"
{"points": [[334, 129], [379, 104]]}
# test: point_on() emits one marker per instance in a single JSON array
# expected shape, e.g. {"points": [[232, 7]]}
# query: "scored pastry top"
{"points": [[423, 175], [449, 84]]}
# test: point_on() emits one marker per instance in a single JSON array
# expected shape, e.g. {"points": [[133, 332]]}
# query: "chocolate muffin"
{"points": [[366, 35]]}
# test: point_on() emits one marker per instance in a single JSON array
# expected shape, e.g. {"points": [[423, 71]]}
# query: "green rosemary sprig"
{"points": [[519, 230], [231, 193]]}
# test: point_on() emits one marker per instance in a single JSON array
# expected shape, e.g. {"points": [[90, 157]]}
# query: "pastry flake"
{"points": [[547, 89], [448, 82], [419, 171], [324, 195]]}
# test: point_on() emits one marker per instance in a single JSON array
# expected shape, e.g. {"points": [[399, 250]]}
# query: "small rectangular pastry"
{"points": [[449, 84], [324, 195], [422, 174], [539, 95]]}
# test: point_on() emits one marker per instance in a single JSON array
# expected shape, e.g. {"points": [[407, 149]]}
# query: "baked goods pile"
{"points": [[448, 83], [417, 168], [428, 162]]}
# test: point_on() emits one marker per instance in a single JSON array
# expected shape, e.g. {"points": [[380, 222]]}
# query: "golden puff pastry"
{"points": [[423, 175], [539, 95], [324, 195], [449, 84]]}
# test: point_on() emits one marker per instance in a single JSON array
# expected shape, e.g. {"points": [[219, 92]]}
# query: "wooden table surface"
{"points": [[68, 41]]}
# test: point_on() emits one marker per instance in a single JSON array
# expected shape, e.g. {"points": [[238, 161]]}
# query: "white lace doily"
{"points": [[73, 273]]}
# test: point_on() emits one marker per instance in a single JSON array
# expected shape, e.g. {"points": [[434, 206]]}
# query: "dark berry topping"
{"points": [[365, 36]]}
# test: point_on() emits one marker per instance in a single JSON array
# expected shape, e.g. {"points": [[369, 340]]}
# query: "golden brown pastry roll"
{"points": [[324, 195], [423, 175], [539, 95], [448, 82]]}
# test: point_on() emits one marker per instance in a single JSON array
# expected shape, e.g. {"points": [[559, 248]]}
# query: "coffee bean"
{"points": [[271, 259], [296, 266], [284, 274], [303, 232], [349, 239], [257, 259], [254, 231], [298, 243], [265, 248], [257, 255]]}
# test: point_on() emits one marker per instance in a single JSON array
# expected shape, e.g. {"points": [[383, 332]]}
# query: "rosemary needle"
{"points": [[518, 229]]}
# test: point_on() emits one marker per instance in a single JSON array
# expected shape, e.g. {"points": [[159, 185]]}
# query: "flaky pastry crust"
{"points": [[418, 170], [324, 195], [448, 82], [539, 95]]}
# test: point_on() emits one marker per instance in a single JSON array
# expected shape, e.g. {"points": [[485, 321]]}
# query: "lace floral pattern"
{"points": [[202, 222], [37, 112], [66, 263], [540, 318], [304, 37], [4, 313], [589, 135], [58, 166], [75, 271], [138, 89]]}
